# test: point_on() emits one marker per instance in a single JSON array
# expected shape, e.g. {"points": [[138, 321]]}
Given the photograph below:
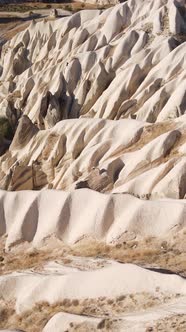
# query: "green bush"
{"points": [[5, 128]]}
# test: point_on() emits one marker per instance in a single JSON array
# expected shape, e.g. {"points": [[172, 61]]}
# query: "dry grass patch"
{"points": [[147, 253], [19, 259], [35, 319], [176, 323]]}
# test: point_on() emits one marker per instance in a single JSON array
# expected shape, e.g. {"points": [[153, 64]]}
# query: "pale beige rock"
{"points": [[97, 166], [104, 155], [32, 216], [83, 65]]}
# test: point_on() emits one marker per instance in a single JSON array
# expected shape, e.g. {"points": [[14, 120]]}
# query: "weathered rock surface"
{"points": [[124, 156], [136, 69], [109, 64], [97, 167], [33, 217]]}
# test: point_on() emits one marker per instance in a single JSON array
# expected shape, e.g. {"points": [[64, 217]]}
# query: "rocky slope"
{"points": [[93, 182], [26, 216], [111, 73]]}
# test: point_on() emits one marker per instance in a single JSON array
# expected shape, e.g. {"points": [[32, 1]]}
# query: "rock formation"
{"points": [[93, 183]]}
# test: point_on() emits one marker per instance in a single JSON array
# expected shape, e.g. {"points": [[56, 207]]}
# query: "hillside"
{"points": [[93, 171]]}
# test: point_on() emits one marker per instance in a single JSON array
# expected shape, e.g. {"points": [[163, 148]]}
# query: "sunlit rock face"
{"points": [[93, 182], [126, 61], [72, 77]]}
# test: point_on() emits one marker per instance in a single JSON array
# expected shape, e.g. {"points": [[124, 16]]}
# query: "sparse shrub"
{"points": [[101, 324], [5, 128], [68, 7], [66, 302], [75, 302], [120, 298], [30, 13]]}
